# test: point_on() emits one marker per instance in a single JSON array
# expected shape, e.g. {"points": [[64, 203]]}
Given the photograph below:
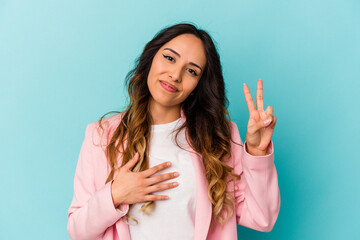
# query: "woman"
{"points": [[176, 129]]}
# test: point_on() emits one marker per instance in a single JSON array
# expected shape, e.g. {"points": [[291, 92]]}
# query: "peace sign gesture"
{"points": [[261, 123]]}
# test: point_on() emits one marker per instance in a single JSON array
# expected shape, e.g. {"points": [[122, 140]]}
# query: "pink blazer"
{"points": [[92, 214]]}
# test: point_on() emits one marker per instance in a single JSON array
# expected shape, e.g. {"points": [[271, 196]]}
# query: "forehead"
{"points": [[189, 47]]}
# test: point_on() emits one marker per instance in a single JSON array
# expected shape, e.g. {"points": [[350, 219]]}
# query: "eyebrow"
{"points": [[191, 63]]}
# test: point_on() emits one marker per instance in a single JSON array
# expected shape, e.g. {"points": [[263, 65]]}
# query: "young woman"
{"points": [[172, 165]]}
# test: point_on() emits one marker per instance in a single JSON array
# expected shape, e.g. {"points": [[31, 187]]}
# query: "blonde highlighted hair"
{"points": [[207, 125]]}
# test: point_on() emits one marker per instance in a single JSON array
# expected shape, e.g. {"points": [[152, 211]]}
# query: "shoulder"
{"points": [[101, 131]]}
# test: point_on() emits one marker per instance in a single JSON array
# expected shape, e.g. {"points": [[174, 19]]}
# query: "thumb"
{"points": [[130, 164], [266, 122], [260, 124]]}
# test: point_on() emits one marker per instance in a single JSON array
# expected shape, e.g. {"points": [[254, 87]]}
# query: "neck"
{"points": [[162, 114]]}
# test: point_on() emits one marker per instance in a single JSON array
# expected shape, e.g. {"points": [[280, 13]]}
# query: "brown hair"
{"points": [[207, 124]]}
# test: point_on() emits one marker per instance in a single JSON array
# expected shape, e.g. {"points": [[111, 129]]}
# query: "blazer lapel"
{"points": [[203, 204], [123, 229]]}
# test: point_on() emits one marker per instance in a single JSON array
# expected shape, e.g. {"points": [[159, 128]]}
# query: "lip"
{"points": [[169, 86]]}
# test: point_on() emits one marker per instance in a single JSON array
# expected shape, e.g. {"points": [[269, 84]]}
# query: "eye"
{"points": [[172, 60], [168, 57], [192, 72]]}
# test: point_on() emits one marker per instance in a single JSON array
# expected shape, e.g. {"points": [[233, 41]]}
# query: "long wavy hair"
{"points": [[207, 124]]}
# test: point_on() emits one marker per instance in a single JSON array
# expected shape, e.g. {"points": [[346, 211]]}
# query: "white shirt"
{"points": [[173, 218]]}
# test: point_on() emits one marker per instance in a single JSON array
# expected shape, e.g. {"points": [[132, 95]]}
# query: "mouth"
{"points": [[169, 87]]}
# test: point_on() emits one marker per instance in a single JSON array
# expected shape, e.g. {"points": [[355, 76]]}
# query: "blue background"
{"points": [[63, 64]]}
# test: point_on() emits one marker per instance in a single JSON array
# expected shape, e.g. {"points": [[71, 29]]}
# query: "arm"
{"points": [[91, 211], [257, 192]]}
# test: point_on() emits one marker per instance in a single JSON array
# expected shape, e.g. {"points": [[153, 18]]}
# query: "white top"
{"points": [[173, 218]]}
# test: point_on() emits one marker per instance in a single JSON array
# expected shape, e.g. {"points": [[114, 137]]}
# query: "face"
{"points": [[176, 70]]}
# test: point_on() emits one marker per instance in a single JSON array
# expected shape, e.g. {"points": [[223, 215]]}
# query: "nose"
{"points": [[175, 74]]}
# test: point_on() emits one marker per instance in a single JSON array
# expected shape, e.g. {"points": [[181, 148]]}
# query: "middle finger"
{"points": [[161, 178], [248, 98], [161, 187]]}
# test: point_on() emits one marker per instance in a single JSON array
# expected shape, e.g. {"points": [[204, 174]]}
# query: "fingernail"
{"points": [[168, 163], [267, 121]]}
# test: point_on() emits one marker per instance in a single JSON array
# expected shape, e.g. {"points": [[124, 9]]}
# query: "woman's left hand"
{"points": [[259, 132]]}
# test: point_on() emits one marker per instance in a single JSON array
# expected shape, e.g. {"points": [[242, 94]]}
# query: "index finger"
{"points": [[259, 96], [151, 171], [248, 98], [132, 162]]}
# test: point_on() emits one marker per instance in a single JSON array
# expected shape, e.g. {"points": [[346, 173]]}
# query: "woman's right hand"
{"points": [[133, 187]]}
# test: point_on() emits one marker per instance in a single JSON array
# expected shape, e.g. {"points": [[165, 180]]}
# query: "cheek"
{"points": [[190, 85], [153, 73], [157, 67]]}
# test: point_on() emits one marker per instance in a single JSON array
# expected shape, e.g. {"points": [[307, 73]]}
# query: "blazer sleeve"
{"points": [[257, 193], [92, 210]]}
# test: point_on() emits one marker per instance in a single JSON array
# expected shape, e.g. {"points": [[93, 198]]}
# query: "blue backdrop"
{"points": [[63, 64]]}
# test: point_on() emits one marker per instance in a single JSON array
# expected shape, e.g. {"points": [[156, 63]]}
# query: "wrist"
{"points": [[115, 202], [254, 151]]}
